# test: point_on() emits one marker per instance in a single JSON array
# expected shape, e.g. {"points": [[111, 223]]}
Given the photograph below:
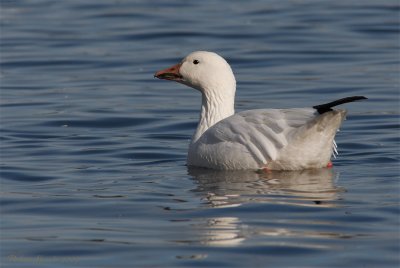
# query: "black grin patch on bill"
{"points": [[170, 76]]}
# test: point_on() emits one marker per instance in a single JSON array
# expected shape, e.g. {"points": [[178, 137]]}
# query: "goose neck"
{"points": [[214, 108]]}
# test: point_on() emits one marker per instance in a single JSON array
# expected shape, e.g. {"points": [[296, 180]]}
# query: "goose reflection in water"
{"points": [[225, 189], [233, 188]]}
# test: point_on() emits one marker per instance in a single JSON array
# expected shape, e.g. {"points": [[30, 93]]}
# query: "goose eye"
{"points": [[196, 62]]}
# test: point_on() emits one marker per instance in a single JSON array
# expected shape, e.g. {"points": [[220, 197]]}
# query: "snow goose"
{"points": [[270, 139]]}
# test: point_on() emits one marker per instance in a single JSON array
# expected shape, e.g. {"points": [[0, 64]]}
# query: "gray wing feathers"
{"points": [[262, 133]]}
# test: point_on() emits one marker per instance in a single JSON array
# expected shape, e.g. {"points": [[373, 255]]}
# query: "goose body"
{"points": [[274, 139]]}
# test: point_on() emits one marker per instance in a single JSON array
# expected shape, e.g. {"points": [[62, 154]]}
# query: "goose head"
{"points": [[202, 70], [213, 77]]}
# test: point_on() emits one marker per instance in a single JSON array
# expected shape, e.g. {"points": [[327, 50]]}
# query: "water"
{"points": [[93, 147]]}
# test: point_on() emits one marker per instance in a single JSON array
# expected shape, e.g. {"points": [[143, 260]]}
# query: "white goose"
{"points": [[270, 139]]}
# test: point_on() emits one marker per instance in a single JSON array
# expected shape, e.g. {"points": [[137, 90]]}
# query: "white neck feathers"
{"points": [[214, 108]]}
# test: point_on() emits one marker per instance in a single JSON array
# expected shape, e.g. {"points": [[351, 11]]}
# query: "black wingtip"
{"points": [[356, 98], [326, 107]]}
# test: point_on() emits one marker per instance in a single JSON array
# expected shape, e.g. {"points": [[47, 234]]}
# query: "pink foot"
{"points": [[266, 170], [330, 165]]}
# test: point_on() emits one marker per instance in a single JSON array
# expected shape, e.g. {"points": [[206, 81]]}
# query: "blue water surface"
{"points": [[93, 148]]}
